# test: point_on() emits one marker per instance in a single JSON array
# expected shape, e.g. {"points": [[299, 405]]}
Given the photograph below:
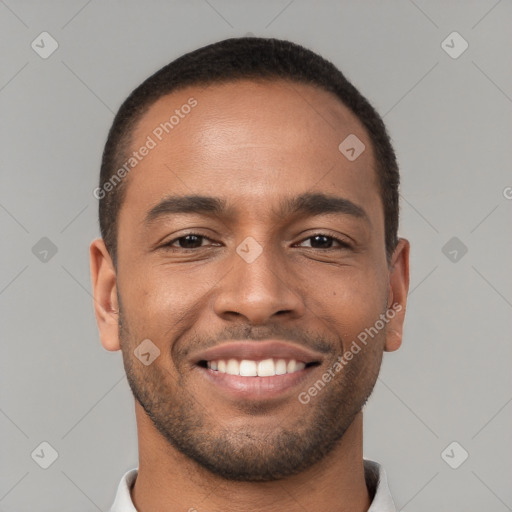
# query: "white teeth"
{"points": [[266, 368], [280, 367], [250, 368], [294, 366], [233, 367]]}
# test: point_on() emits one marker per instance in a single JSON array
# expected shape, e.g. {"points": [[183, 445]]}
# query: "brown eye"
{"points": [[323, 241], [188, 241]]}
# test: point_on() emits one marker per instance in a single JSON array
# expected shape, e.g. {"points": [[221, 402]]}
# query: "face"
{"points": [[278, 268]]}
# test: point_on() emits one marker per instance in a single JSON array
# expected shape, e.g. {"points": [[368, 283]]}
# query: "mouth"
{"points": [[256, 370]]}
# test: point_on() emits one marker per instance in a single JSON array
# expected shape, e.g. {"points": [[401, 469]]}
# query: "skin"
{"points": [[251, 143]]}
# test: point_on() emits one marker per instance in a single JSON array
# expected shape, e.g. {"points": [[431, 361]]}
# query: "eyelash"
{"points": [[343, 243]]}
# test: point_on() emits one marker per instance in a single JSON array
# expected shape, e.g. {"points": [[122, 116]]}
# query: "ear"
{"points": [[397, 295], [104, 281]]}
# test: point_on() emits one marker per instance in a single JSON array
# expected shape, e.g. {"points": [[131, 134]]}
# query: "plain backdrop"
{"points": [[449, 115]]}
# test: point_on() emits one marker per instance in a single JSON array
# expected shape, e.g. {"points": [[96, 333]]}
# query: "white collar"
{"points": [[374, 474], [382, 500]]}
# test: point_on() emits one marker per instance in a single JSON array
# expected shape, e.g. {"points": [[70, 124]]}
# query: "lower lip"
{"points": [[256, 388]]}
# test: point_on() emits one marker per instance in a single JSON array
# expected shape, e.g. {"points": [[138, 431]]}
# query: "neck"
{"points": [[167, 480]]}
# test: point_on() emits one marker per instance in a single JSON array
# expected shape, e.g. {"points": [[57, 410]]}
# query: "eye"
{"points": [[188, 241], [324, 241], [191, 241]]}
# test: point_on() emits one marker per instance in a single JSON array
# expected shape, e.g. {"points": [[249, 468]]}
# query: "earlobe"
{"points": [[397, 295], [104, 284]]}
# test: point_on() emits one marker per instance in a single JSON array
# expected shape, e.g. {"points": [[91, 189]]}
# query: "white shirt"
{"points": [[374, 473]]}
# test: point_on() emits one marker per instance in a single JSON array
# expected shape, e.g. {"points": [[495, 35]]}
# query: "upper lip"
{"points": [[256, 350]]}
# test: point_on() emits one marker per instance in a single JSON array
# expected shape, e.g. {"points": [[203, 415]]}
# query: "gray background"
{"points": [[451, 123]]}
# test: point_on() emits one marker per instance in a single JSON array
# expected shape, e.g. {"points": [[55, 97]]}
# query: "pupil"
{"points": [[186, 245], [326, 240]]}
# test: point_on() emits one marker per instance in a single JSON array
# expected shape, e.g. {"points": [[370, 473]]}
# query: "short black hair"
{"points": [[228, 61]]}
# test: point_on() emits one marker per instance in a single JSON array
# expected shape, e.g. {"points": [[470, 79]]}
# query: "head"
{"points": [[242, 219]]}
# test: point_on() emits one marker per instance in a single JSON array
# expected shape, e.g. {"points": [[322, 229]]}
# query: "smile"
{"points": [[255, 370], [251, 368]]}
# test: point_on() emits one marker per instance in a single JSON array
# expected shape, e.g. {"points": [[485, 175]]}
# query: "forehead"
{"points": [[251, 141]]}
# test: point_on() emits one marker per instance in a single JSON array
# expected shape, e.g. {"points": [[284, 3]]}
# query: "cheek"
{"points": [[162, 302], [350, 300]]}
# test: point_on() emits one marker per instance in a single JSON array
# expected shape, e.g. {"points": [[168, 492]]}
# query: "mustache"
{"points": [[324, 343], [314, 341]]}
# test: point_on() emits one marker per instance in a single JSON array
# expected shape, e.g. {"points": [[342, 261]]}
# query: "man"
{"points": [[250, 272]]}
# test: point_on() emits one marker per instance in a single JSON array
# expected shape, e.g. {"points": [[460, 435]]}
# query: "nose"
{"points": [[259, 290]]}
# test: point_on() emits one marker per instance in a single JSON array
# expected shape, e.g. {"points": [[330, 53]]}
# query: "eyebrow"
{"points": [[308, 204]]}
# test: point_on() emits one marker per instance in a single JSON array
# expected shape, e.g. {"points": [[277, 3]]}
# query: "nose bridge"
{"points": [[257, 266], [258, 285]]}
